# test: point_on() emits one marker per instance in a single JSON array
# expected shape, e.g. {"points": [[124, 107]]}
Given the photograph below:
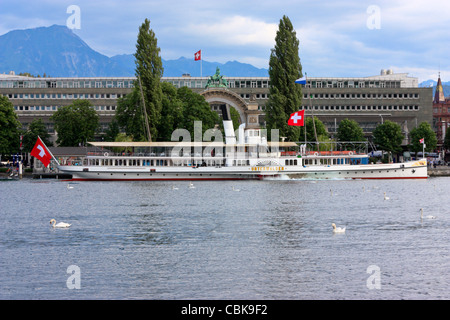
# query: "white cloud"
{"points": [[235, 30], [422, 74], [334, 38]]}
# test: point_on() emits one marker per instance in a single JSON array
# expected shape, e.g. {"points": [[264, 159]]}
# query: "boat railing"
{"points": [[107, 154]]}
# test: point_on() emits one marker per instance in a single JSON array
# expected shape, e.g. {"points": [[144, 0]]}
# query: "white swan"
{"points": [[59, 225], [191, 186], [337, 229], [426, 217], [174, 188], [236, 189], [385, 198], [69, 186]]}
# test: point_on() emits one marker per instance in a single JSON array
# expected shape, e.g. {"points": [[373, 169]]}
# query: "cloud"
{"points": [[334, 37], [235, 31]]}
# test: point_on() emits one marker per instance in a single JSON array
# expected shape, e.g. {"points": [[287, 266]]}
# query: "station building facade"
{"points": [[368, 100]]}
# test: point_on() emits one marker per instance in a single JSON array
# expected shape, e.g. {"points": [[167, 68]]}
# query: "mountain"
{"points": [[433, 83], [55, 51], [58, 52]]}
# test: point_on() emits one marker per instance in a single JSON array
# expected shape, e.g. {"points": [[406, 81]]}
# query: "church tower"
{"points": [[439, 94]]}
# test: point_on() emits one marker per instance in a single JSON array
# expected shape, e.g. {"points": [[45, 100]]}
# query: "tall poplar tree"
{"points": [[149, 70], [284, 68]]}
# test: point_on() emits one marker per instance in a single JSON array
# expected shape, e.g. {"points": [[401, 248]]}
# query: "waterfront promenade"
{"points": [[439, 171]]}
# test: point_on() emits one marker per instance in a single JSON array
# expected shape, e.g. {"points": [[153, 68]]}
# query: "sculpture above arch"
{"points": [[248, 112]]}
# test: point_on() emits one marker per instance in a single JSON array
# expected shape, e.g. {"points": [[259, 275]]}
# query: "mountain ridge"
{"points": [[59, 52]]}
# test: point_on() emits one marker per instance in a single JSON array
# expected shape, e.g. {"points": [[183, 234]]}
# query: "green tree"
{"points": [[235, 117], [447, 139], [322, 134], [122, 137], [76, 123], [171, 113], [349, 130], [425, 131], [284, 68], [149, 70], [112, 131], [196, 108], [35, 129], [388, 136], [130, 115], [9, 127]]}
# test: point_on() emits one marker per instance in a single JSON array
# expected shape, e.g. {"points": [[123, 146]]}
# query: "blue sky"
{"points": [[337, 38]]}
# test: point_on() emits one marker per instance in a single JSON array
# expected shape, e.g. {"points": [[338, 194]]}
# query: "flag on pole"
{"points": [[422, 140], [41, 152], [198, 55], [297, 119], [301, 80]]}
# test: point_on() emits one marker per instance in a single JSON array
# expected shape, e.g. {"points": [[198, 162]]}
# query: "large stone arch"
{"points": [[248, 112]]}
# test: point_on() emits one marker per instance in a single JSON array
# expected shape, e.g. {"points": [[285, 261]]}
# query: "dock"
{"points": [[439, 171]]}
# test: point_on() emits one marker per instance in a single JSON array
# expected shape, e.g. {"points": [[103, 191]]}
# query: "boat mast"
{"points": [[312, 113], [144, 110]]}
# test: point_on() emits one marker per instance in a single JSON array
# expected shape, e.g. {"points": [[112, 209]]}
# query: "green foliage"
{"points": [[181, 107], [112, 131], [9, 127], [235, 117], [195, 108], [75, 124], [149, 70], [36, 128], [284, 68], [425, 131], [122, 137], [322, 134], [447, 139], [388, 136], [130, 115], [171, 113], [349, 130]]}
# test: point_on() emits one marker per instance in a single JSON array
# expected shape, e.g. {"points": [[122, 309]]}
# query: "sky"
{"points": [[340, 38]]}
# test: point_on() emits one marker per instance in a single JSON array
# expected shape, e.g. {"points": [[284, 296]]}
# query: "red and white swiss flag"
{"points": [[422, 140], [297, 119], [41, 152], [198, 55]]}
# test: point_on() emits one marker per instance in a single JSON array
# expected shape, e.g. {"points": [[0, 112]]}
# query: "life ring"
{"points": [[106, 154], [316, 153], [350, 153]]}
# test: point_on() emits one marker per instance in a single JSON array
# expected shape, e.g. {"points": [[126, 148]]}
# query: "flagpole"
{"points": [[423, 149], [312, 113]]}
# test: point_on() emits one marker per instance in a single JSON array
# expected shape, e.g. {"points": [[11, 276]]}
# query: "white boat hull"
{"points": [[409, 170]]}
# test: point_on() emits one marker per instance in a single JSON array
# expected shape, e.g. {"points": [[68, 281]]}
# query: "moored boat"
{"points": [[248, 157]]}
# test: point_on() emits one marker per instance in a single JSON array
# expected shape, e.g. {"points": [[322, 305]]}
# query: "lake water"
{"points": [[269, 240]]}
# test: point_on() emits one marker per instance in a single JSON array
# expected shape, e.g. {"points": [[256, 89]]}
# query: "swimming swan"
{"points": [[426, 217], [236, 189], [59, 225], [69, 186], [337, 229], [385, 198], [174, 188], [191, 186]]}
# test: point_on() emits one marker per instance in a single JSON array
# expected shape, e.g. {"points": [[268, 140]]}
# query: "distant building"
{"points": [[368, 100], [441, 112]]}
